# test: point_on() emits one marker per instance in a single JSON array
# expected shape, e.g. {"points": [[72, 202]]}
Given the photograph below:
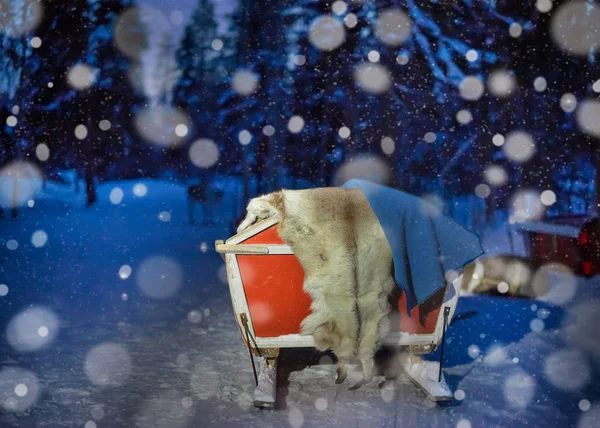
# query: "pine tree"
{"points": [[20, 67], [261, 50], [103, 153], [425, 72], [198, 85], [195, 54], [163, 73]]}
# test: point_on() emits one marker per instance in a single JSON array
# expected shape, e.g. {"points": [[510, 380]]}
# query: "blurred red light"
{"points": [[587, 267], [583, 238]]}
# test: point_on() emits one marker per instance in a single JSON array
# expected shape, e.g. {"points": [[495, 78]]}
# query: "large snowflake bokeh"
{"points": [[118, 116]]}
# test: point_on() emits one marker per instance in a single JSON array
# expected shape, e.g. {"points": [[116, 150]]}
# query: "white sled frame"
{"points": [[415, 343]]}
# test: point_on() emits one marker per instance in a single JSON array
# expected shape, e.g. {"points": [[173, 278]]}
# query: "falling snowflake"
{"points": [[116, 196], [81, 76], [295, 124], [575, 27], [108, 365], [245, 82], [326, 33], [519, 146], [372, 77], [393, 27], [471, 88], [204, 153]]}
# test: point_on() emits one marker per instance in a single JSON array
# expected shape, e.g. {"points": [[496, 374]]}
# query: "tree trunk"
{"points": [[90, 187], [322, 177], [76, 184], [15, 212], [596, 202], [246, 195]]}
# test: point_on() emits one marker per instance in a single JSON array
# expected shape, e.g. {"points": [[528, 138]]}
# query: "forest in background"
{"points": [[101, 87]]}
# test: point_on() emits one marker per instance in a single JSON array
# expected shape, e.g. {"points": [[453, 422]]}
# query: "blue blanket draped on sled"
{"points": [[425, 243]]}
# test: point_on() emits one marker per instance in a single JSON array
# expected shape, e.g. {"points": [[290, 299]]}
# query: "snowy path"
{"points": [[180, 362]]}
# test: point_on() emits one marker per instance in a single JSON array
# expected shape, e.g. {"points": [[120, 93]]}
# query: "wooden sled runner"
{"points": [[265, 282]]}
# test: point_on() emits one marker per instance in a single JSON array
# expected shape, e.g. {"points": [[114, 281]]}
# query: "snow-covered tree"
{"points": [[258, 101], [195, 54], [17, 19], [436, 81], [200, 80], [104, 103], [160, 71], [37, 103]]}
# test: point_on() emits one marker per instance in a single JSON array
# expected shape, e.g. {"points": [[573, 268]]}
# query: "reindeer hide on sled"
{"points": [[348, 262]]}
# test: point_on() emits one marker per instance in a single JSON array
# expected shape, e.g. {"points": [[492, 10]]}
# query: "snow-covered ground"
{"points": [[119, 316]]}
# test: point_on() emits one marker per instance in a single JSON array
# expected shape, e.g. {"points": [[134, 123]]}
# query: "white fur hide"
{"points": [[347, 261]]}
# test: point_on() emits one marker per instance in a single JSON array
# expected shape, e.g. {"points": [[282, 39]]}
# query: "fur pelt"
{"points": [[347, 262]]}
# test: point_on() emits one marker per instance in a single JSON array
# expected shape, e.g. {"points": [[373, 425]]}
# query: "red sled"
{"points": [[265, 282]]}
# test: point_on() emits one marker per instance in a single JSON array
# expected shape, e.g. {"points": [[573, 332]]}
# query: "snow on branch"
{"points": [[441, 60]]}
